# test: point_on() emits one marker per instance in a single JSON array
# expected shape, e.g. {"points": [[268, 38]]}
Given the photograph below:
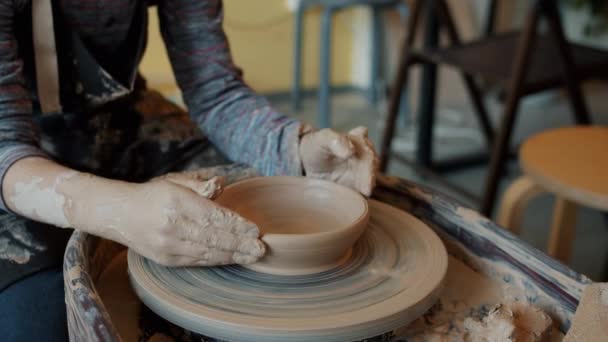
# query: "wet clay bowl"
{"points": [[308, 225]]}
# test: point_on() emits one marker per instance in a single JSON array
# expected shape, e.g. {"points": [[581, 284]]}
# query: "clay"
{"points": [[394, 275], [590, 323], [513, 322], [308, 225], [348, 159]]}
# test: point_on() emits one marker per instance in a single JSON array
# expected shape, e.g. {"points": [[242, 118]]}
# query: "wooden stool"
{"points": [[572, 164], [523, 63]]}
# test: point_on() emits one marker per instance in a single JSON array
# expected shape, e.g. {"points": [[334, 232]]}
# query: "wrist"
{"points": [[31, 189], [99, 206]]}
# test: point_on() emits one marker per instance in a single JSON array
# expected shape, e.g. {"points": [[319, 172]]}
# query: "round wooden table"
{"points": [[570, 163]]}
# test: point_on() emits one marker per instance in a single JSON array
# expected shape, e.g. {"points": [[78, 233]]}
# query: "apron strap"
{"points": [[45, 54]]}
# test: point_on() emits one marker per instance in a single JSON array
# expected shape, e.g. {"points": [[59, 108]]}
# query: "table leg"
{"points": [[515, 201]]}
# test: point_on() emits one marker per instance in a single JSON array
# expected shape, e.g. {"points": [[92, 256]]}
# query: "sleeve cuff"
{"points": [[288, 161]]}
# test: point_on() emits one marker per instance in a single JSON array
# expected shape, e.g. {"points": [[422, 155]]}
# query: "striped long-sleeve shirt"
{"points": [[240, 123]]}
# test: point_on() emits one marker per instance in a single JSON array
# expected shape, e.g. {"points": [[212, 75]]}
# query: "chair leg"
{"points": [[324, 120], [403, 11], [515, 201], [399, 85], [501, 145], [404, 110], [480, 109], [605, 275], [490, 25], [577, 101], [562, 229], [297, 58], [377, 37], [472, 88], [428, 91]]}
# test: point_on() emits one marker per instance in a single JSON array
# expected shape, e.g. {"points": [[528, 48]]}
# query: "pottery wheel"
{"points": [[393, 276]]}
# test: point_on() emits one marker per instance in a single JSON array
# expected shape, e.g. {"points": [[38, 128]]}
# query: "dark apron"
{"points": [[132, 135]]}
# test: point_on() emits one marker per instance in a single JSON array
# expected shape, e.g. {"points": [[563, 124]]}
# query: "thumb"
{"points": [[341, 146], [210, 189], [360, 131]]}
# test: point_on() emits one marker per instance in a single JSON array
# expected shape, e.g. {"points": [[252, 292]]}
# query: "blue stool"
{"points": [[330, 7]]}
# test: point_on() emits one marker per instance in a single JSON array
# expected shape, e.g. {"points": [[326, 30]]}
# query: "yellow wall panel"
{"points": [[155, 65], [260, 33]]}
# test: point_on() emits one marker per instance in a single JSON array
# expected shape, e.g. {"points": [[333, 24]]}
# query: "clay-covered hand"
{"points": [[186, 228], [348, 159], [198, 181], [173, 221]]}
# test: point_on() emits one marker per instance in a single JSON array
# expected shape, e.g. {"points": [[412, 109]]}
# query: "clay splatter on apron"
{"points": [[16, 243]]}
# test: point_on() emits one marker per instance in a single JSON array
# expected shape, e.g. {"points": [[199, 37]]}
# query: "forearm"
{"points": [[42, 190], [239, 122], [247, 130], [170, 220]]}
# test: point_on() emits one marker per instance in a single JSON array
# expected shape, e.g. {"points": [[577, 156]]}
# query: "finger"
{"points": [[340, 145], [360, 131], [247, 251], [368, 168], [362, 168], [217, 259], [370, 144], [245, 259], [232, 243], [167, 260], [366, 188], [200, 174], [227, 258], [211, 188], [336, 143], [211, 237]]}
